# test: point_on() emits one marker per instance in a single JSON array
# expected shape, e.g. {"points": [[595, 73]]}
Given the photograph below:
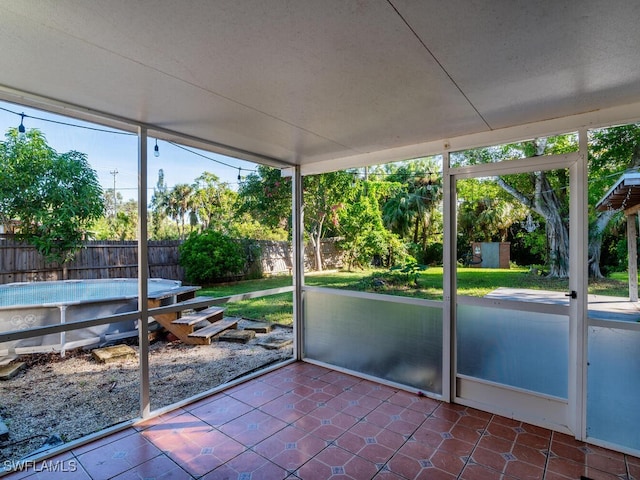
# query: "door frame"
{"points": [[573, 412]]}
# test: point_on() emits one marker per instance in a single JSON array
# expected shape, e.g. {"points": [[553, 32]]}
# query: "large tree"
{"points": [[51, 199], [267, 195], [214, 202], [178, 204], [544, 192], [613, 151], [412, 210]]}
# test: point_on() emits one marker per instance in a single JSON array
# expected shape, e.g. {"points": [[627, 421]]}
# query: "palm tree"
{"points": [[178, 204]]}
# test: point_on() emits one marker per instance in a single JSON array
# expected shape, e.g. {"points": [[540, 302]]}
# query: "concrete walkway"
{"points": [[600, 307]]}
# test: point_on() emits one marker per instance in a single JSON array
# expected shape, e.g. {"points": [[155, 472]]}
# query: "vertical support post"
{"points": [[297, 211], [63, 334], [578, 282], [632, 239], [143, 274], [448, 281]]}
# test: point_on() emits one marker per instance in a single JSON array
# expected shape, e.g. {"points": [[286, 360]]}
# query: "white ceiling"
{"points": [[315, 82]]}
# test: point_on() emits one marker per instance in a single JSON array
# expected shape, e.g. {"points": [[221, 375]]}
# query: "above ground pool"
{"points": [[28, 305]]}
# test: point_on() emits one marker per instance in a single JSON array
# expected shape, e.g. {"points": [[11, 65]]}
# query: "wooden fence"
{"points": [[20, 262]]}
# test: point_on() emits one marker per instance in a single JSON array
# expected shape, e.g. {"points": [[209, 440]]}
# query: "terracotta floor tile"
{"points": [[503, 431], [354, 404], [495, 444], [372, 389], [456, 447], [301, 389], [438, 424], [220, 411], [489, 459], [326, 423], [290, 447], [341, 380], [308, 422], [387, 475], [428, 437], [371, 442], [479, 472], [413, 401], [253, 427], [104, 440], [472, 422], [336, 461], [523, 471], [448, 462], [566, 468], [447, 413], [257, 394], [397, 418], [533, 441], [465, 434], [315, 384], [509, 422], [289, 407], [117, 457], [529, 455], [246, 466], [158, 468]]}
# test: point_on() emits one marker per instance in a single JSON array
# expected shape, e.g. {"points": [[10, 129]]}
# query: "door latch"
{"points": [[573, 294]]}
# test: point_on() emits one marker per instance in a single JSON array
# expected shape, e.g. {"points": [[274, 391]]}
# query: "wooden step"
{"points": [[215, 328], [212, 314]]}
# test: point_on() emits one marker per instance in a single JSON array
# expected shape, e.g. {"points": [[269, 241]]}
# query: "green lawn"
{"points": [[471, 281]]}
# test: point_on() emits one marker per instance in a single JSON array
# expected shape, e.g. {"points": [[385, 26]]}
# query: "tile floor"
{"points": [[307, 422]]}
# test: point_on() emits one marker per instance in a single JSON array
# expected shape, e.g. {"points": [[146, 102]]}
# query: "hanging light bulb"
{"points": [[239, 175], [156, 150], [21, 129]]}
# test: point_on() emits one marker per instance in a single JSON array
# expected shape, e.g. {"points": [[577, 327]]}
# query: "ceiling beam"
{"points": [[619, 115]]}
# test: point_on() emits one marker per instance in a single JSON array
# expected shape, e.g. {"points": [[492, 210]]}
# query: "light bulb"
{"points": [[21, 129]]}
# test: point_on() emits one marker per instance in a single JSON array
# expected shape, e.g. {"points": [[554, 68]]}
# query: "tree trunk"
{"points": [[549, 205], [558, 237], [316, 237], [595, 242]]}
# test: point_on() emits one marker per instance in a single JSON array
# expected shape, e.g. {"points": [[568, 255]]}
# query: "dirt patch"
{"points": [[76, 395]]}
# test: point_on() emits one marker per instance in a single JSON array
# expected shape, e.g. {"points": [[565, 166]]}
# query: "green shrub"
{"points": [[209, 255]]}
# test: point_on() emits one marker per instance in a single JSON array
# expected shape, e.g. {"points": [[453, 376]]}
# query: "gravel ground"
{"points": [[76, 395]]}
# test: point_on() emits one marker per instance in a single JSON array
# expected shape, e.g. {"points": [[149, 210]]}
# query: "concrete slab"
{"points": [[237, 336], [114, 353], [7, 360], [7, 372], [259, 327], [275, 343], [600, 307]]}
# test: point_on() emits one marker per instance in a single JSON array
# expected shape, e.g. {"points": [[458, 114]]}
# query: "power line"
{"points": [[58, 122], [119, 132], [210, 158]]}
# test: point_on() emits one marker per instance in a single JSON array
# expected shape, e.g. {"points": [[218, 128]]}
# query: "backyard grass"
{"points": [[470, 281]]}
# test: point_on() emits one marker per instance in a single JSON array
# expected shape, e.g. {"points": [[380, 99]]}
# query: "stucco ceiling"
{"points": [[311, 82]]}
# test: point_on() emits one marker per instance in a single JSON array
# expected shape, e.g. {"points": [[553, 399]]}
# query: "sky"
{"points": [[110, 152]]}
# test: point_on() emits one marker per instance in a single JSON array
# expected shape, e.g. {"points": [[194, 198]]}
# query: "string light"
{"points": [[156, 150], [239, 175], [21, 129]]}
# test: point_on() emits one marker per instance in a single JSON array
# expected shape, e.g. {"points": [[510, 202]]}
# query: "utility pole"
{"points": [[115, 200]]}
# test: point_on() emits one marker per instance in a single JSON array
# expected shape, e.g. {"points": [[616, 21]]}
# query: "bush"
{"points": [[209, 255]]}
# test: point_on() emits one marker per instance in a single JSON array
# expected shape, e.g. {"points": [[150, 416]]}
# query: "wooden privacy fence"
{"points": [[20, 262]]}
